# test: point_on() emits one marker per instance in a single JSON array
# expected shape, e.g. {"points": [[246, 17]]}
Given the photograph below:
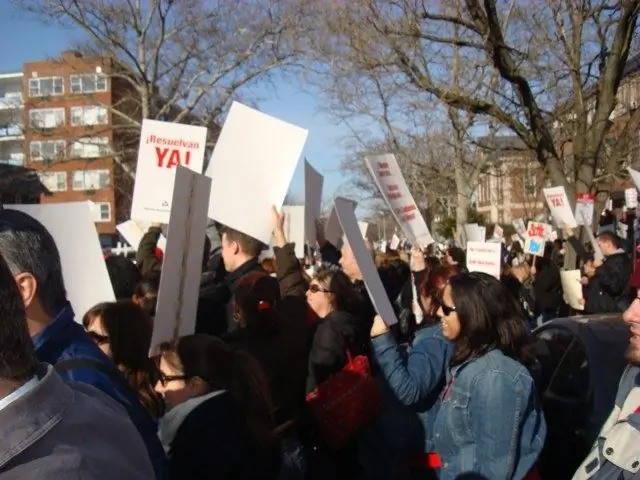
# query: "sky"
{"points": [[26, 40]]}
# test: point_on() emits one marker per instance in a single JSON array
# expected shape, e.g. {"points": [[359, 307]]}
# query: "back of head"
{"points": [[17, 358], [458, 255], [248, 245], [28, 248], [256, 297], [124, 276], [146, 292]]}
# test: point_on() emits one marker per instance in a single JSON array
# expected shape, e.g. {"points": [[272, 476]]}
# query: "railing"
{"points": [[11, 101], [11, 131], [16, 162]]}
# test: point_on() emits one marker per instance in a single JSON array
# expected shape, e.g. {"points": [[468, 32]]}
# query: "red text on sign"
{"points": [[169, 158], [536, 230], [556, 200]]}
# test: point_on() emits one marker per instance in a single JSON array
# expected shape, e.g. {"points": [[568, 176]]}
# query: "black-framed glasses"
{"points": [[98, 338], [164, 379], [315, 288]]}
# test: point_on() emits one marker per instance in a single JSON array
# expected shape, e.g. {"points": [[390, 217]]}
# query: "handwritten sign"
{"points": [[560, 207], [388, 178], [484, 257], [584, 208], [163, 147], [536, 237]]}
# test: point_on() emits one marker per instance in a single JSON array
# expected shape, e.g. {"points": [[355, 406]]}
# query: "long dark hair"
{"points": [[146, 292], [489, 317], [255, 298], [223, 368], [129, 329]]}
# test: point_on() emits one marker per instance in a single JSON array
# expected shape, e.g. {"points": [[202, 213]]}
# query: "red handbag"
{"points": [[346, 402]]}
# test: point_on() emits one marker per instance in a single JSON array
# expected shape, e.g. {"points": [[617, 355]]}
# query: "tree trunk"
{"points": [[462, 205]]}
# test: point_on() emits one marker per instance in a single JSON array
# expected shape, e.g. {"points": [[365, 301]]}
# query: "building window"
{"points": [[529, 184], [91, 179], [46, 117], [94, 147], [47, 150], [104, 212], [54, 181], [88, 83], [92, 115], [46, 86]]}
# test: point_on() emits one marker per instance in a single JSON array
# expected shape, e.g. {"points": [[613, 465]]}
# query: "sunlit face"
{"points": [[228, 252], [97, 333], [348, 263], [448, 315], [319, 299], [173, 387], [633, 320]]}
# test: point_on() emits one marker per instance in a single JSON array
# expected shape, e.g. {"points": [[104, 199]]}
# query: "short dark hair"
{"points": [[490, 318], [124, 276], [17, 356], [248, 244], [28, 247], [458, 255], [611, 238]]}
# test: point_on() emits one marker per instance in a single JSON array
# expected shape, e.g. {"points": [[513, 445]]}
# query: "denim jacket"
{"points": [[417, 379], [490, 424]]}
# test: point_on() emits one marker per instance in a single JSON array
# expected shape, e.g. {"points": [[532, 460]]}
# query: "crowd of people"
{"points": [[449, 391]]}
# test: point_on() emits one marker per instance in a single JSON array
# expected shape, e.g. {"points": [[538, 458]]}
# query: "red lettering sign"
{"points": [[535, 230], [169, 158], [556, 200], [394, 196], [391, 188], [383, 165]]}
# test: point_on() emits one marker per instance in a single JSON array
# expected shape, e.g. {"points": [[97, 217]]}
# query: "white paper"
{"points": [[631, 198], [364, 228], [498, 232], [520, 227], [395, 242], [364, 260], [597, 253], [572, 288], [584, 209], [635, 176], [182, 265], [474, 232], [133, 232], [83, 269], [560, 207], [313, 183], [294, 227], [332, 229], [164, 146], [484, 257], [389, 179], [251, 168]]}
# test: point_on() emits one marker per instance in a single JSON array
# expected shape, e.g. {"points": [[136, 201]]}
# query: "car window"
{"points": [[564, 365]]}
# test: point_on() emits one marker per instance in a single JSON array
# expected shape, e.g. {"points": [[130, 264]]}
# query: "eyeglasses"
{"points": [[315, 288], [164, 379], [97, 338]]}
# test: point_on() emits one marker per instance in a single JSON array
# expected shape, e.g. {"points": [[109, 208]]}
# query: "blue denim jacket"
{"points": [[417, 379], [490, 424]]}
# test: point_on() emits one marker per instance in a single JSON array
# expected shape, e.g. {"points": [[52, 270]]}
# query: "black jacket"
{"points": [[607, 289]]}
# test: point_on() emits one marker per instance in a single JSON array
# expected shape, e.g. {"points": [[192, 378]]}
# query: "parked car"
{"points": [[580, 362]]}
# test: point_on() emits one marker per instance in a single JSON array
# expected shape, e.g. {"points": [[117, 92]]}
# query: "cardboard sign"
{"points": [[560, 207], [251, 168], [389, 179], [395, 242], [364, 228], [474, 232], [484, 257], [333, 229], [83, 269], [163, 147], [635, 176], [498, 233], [364, 260], [631, 198], [584, 208], [294, 224], [133, 232], [182, 266], [313, 182]]}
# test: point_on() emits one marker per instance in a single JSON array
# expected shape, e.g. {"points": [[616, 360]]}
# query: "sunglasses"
{"points": [[315, 288], [446, 309], [97, 338]]}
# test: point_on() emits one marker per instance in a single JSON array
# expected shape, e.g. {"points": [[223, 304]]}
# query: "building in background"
{"points": [[11, 131], [511, 186]]}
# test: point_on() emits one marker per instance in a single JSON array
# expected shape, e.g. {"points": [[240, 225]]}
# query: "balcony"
{"points": [[11, 132], [11, 101]]}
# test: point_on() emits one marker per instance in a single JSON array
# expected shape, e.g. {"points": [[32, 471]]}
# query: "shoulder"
{"points": [[495, 369]]}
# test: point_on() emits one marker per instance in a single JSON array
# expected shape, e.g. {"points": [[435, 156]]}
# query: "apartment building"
{"points": [[511, 186], [11, 107]]}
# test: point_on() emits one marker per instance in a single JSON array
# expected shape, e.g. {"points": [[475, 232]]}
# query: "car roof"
{"points": [[604, 327]]}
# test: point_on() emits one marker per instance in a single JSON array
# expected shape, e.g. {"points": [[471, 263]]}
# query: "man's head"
{"points": [[455, 256], [348, 260], [17, 359], [609, 243], [33, 258], [238, 248]]}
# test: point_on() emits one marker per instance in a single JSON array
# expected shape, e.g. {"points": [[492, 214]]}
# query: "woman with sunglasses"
{"points": [[489, 423], [219, 414], [122, 330]]}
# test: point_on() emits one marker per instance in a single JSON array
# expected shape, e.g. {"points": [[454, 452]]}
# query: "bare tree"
{"points": [[178, 61], [559, 66]]}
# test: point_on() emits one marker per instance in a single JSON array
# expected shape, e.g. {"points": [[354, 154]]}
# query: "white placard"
{"points": [[294, 223], [635, 176], [572, 288], [597, 253], [395, 242], [332, 229], [560, 207], [85, 274], [474, 232], [133, 232], [364, 228], [313, 182], [368, 269], [498, 233], [182, 265], [163, 147], [584, 209], [631, 198], [251, 168], [389, 179], [484, 257]]}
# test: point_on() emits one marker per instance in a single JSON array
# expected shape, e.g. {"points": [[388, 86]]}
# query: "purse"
{"points": [[344, 403]]}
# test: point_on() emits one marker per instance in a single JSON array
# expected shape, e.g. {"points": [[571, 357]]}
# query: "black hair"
{"points": [[124, 276]]}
